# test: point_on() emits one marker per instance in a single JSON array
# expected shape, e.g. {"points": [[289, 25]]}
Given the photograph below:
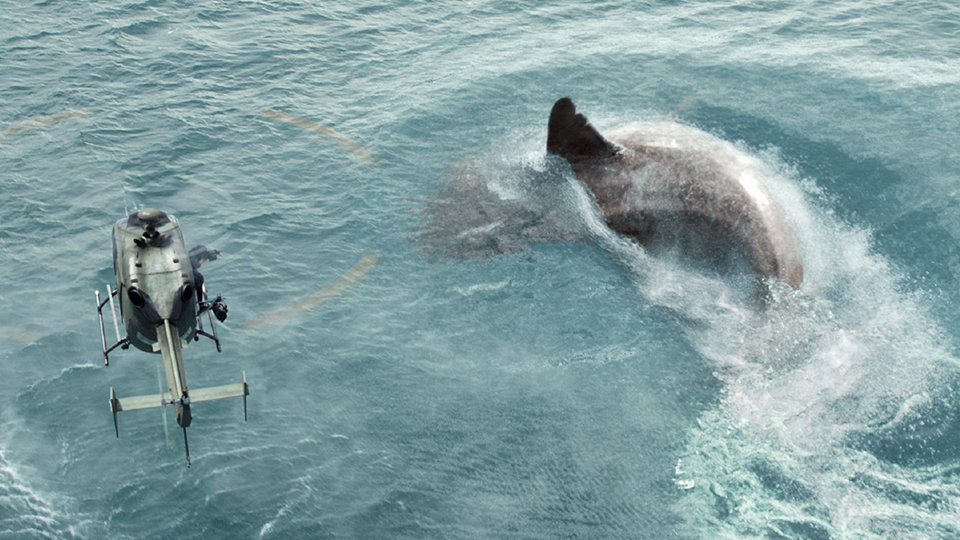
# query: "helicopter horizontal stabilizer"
{"points": [[219, 392], [198, 395], [137, 403]]}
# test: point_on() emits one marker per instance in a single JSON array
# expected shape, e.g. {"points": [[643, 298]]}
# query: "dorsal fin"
{"points": [[571, 137]]}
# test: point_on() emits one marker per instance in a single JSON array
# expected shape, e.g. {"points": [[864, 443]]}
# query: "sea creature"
{"points": [[674, 184]]}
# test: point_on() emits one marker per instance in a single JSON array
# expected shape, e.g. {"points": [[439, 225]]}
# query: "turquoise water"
{"points": [[508, 369]]}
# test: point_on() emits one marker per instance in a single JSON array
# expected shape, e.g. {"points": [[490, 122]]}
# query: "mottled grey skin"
{"points": [[651, 181]]}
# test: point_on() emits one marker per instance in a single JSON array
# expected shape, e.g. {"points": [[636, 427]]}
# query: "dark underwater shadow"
{"points": [[487, 206]]}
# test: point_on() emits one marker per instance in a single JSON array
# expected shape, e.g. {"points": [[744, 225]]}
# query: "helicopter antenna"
{"points": [[163, 410], [186, 446]]}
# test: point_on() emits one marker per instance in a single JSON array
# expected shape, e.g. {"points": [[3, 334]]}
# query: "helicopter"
{"points": [[163, 301]]}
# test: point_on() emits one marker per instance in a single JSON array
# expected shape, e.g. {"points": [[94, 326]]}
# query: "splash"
{"points": [[818, 386], [812, 387], [490, 205]]}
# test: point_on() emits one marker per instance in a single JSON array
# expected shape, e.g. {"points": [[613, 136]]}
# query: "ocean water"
{"points": [[508, 368]]}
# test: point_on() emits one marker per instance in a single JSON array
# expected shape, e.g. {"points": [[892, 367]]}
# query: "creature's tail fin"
{"points": [[571, 137]]}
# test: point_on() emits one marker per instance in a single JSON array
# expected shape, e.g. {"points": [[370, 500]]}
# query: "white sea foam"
{"points": [[27, 512], [803, 379]]}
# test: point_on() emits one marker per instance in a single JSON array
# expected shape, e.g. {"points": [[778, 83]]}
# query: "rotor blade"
{"points": [[41, 121], [20, 336], [687, 102], [359, 153], [363, 266]]}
